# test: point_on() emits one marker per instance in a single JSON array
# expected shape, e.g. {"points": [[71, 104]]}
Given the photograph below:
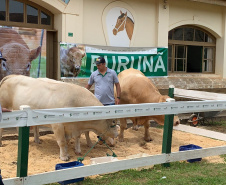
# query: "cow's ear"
{"points": [[82, 50], [35, 52]]}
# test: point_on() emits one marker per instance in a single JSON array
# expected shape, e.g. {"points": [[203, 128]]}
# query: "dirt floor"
{"points": [[43, 157]]}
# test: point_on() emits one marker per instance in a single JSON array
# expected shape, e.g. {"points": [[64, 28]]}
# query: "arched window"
{"points": [[191, 49], [24, 14]]}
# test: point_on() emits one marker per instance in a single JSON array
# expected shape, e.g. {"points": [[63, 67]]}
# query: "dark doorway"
{"points": [[194, 59]]}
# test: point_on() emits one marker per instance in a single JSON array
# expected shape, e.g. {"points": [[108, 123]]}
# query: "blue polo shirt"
{"points": [[104, 85]]}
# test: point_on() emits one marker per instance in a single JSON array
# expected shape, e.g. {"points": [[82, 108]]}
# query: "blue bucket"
{"points": [[190, 147], [73, 164]]}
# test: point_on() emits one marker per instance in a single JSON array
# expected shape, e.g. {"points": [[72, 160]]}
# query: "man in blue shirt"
{"points": [[105, 79]]}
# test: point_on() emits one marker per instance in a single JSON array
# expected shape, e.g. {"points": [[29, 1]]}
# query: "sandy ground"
{"points": [[43, 157]]}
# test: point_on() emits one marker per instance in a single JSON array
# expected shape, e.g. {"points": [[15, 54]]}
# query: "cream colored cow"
{"points": [[17, 90], [135, 89]]}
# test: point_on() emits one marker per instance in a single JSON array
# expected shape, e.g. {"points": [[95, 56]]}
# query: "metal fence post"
{"points": [[168, 129], [23, 148]]}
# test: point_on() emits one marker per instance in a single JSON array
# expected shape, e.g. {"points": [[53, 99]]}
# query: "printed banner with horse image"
{"points": [[150, 61]]}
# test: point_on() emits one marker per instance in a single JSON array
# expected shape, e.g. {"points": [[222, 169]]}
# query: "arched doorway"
{"points": [[191, 50]]}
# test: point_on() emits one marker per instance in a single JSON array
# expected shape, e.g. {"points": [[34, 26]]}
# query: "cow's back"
{"points": [[137, 88], [43, 93]]}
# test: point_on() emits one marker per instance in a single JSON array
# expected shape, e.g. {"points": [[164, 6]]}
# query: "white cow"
{"points": [[17, 90]]}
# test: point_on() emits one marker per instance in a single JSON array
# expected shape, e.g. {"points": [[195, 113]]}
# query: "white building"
{"points": [[193, 30]]}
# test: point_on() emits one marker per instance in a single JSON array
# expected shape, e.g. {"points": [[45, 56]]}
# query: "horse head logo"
{"points": [[124, 23]]}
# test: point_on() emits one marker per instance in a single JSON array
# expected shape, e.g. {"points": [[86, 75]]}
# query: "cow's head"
{"points": [[112, 130], [71, 60], [18, 58]]}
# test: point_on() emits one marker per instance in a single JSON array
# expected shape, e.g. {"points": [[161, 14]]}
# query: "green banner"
{"points": [[150, 61], [151, 64]]}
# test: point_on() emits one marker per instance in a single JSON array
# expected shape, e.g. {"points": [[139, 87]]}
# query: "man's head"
{"points": [[100, 62]]}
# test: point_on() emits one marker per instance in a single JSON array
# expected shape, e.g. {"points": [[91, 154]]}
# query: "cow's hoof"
{"points": [[121, 139], [38, 142], [111, 145], [135, 128], [65, 158], [78, 152], [148, 139]]}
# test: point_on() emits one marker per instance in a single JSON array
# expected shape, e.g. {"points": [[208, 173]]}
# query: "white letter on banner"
{"points": [[93, 59], [145, 61], [132, 62], [120, 64], [160, 65], [106, 60], [114, 62], [139, 61]]}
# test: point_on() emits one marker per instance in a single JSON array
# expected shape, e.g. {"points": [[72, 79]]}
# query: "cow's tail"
{"points": [[6, 78]]}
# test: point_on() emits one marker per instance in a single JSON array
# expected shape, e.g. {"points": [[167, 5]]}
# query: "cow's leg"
{"points": [[88, 140], [59, 133], [1, 130], [147, 136], [36, 134], [135, 125], [77, 145], [123, 126]]}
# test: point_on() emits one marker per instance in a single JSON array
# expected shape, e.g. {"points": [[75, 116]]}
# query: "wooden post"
{"points": [[23, 147], [168, 129]]}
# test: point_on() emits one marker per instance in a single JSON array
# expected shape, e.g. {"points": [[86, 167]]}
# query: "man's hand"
{"points": [[118, 92], [117, 101], [88, 86]]}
